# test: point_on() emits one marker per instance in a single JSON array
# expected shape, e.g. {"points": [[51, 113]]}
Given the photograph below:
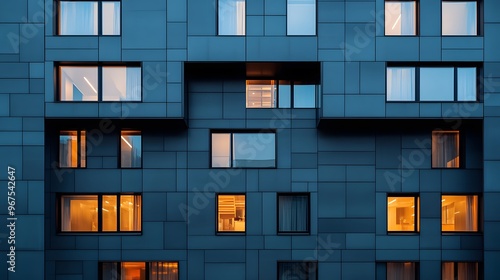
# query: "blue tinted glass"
{"points": [[301, 17], [284, 96], [466, 84], [401, 84], [253, 150], [436, 84], [304, 96], [78, 18], [459, 18], [231, 17], [110, 18], [131, 149]]}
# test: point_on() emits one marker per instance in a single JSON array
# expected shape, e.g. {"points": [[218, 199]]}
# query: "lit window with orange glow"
{"points": [[79, 213], [401, 270], [139, 270], [131, 149], [445, 149], [460, 270], [459, 213], [261, 94], [72, 149], [402, 214], [231, 213]]}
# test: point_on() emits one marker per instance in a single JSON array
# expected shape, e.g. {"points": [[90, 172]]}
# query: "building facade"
{"points": [[250, 139]]}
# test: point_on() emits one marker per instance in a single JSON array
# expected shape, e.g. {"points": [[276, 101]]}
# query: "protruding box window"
{"points": [[459, 18], [82, 18], [445, 149], [402, 214], [232, 17], [72, 149], [459, 213], [400, 18], [131, 149], [280, 94], [231, 214]]}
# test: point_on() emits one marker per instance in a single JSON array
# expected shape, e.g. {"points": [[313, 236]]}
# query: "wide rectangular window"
{"points": [[460, 270], [82, 18], [232, 17], [139, 271], [72, 148], [401, 271], [280, 94], [131, 149], [231, 213], [459, 213], [301, 17], [293, 213], [446, 149], [400, 83], [101, 213], [400, 18], [242, 150], [290, 270], [100, 83], [402, 214], [459, 18]]}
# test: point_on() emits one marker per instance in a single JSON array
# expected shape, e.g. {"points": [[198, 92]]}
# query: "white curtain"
{"points": [[400, 84], [110, 18], [408, 18], [232, 17], [133, 84], [459, 18], [466, 80], [401, 271], [78, 18], [293, 213]]}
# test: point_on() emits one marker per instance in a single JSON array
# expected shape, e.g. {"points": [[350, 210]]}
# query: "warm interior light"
{"points": [[90, 84], [397, 20], [126, 142], [392, 201], [443, 200]]}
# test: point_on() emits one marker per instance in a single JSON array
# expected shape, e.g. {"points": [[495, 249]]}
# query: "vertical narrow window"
{"points": [[445, 149], [297, 270], [401, 271], [293, 213], [72, 149], [400, 18], [466, 84], [301, 17], [221, 149], [284, 94], [261, 94], [231, 213], [130, 213], [78, 18], [232, 17], [402, 214], [120, 83], [460, 270], [109, 213], [79, 213], [78, 83], [139, 270], [400, 83], [437, 84], [131, 149], [110, 18], [459, 212], [459, 18]]}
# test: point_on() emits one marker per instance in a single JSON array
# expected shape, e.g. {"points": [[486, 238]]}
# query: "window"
{"points": [[242, 150], [232, 17], [402, 213], [293, 213], [459, 18], [297, 270], [72, 148], [459, 213], [445, 149], [434, 83], [140, 270], [401, 271], [460, 270], [230, 213], [301, 17], [280, 94], [115, 83], [131, 149], [81, 17], [400, 18], [101, 213]]}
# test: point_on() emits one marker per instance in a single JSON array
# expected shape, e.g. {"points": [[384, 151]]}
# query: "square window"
{"points": [[297, 270], [301, 17], [231, 213], [445, 149], [304, 95], [460, 270], [261, 94], [82, 18], [120, 83], [293, 213], [72, 149], [437, 84], [139, 270], [232, 17], [400, 18], [402, 214], [79, 213], [459, 18], [400, 83], [401, 270], [459, 213], [78, 83], [131, 149]]}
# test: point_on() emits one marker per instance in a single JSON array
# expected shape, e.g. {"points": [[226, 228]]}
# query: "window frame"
{"points": [[147, 264], [480, 267], [461, 149], [478, 19], [79, 152], [417, 18], [308, 231], [315, 21], [416, 202], [417, 268], [57, 18], [479, 215], [292, 84], [217, 18], [120, 148], [219, 232], [298, 262], [99, 66], [99, 230]]}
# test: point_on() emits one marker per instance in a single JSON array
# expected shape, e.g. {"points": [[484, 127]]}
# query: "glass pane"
{"points": [[437, 84], [231, 213], [221, 150], [297, 270], [130, 212], [401, 271], [400, 18], [79, 213], [109, 213], [254, 150], [401, 214], [261, 94], [460, 270], [83, 149], [232, 17], [133, 271], [459, 213], [110, 18], [110, 271], [466, 84], [163, 271], [293, 213], [445, 149], [301, 17], [78, 18], [459, 18], [304, 96], [121, 83], [131, 149], [78, 83], [285, 94], [68, 149], [400, 84]]}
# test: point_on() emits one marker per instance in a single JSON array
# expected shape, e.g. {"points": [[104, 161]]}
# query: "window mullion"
{"points": [[99, 213], [118, 212]]}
